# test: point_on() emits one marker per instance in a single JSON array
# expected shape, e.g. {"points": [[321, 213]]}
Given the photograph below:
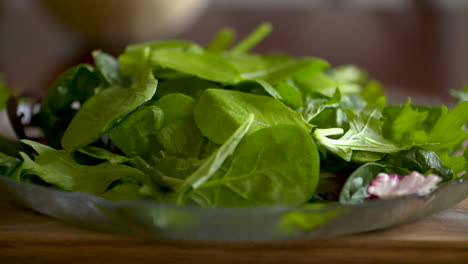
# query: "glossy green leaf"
{"points": [[219, 113], [364, 134], [136, 134], [175, 106], [108, 67], [275, 165], [212, 164], [71, 89], [209, 66], [93, 120], [181, 138], [134, 56]]}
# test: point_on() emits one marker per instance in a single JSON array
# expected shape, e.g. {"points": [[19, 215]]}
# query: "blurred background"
{"points": [[414, 47]]}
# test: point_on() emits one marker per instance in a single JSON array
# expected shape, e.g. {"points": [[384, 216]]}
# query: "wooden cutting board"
{"points": [[27, 237]]}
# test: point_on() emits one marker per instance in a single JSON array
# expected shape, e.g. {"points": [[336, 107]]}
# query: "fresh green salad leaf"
{"points": [[364, 134], [275, 165], [228, 109], [136, 134], [58, 167], [211, 165], [93, 120], [71, 89], [222, 126]]}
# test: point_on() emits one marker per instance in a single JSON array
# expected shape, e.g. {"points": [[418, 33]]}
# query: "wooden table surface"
{"points": [[27, 237]]}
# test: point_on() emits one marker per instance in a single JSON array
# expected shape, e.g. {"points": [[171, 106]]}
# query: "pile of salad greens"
{"points": [[218, 126]]}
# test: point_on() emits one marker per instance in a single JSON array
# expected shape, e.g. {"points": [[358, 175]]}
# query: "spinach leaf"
{"points": [[175, 107], [212, 164], [275, 165], [273, 68], [289, 94], [208, 66], [218, 113], [190, 86], [93, 120], [58, 167], [108, 67], [71, 89], [136, 134], [181, 138], [134, 58]]}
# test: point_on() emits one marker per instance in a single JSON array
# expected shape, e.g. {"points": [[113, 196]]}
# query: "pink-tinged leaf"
{"points": [[391, 185]]}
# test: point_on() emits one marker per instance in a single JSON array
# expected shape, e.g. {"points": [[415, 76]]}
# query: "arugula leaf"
{"points": [[452, 121], [58, 167], [103, 154], [228, 109], [325, 112], [275, 165], [401, 127], [364, 134], [93, 120]]}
